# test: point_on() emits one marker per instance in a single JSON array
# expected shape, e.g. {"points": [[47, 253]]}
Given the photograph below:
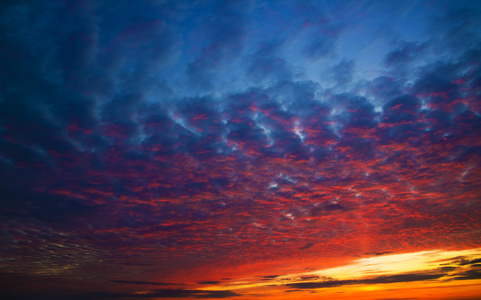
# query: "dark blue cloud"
{"points": [[266, 66], [224, 30], [405, 54], [342, 72]]}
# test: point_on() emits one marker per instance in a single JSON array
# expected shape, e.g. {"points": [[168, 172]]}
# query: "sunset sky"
{"points": [[211, 149]]}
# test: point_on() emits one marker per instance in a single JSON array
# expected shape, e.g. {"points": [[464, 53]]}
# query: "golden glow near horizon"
{"points": [[423, 262], [395, 263]]}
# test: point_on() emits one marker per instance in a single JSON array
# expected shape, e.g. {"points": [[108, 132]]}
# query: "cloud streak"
{"points": [[377, 280]]}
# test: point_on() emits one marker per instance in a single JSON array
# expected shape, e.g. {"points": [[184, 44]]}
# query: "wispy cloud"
{"points": [[439, 267]]}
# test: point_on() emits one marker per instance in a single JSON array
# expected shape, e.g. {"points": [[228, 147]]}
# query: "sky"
{"points": [[214, 149]]}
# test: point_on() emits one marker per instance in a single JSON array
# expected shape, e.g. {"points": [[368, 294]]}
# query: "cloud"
{"points": [[270, 276], [457, 25], [378, 253], [328, 208], [342, 73], [451, 266], [152, 294], [225, 33], [156, 134], [266, 66], [159, 293], [209, 282], [405, 54], [307, 246], [322, 30], [376, 280], [142, 282], [469, 275], [176, 293], [320, 47], [465, 262]]}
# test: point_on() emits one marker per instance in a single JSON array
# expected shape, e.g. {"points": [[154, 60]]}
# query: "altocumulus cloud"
{"points": [[159, 134]]}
